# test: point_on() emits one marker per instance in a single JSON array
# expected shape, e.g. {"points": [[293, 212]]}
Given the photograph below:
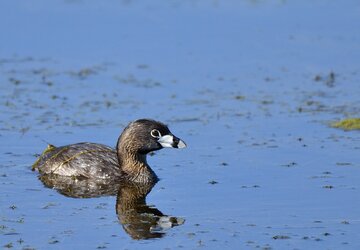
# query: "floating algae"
{"points": [[348, 124]]}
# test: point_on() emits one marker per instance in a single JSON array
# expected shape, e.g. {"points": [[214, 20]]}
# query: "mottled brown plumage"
{"points": [[97, 161]]}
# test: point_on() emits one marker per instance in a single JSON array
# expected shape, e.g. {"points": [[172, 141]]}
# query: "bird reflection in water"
{"points": [[138, 219]]}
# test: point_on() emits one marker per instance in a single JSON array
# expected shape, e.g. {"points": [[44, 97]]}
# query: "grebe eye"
{"points": [[155, 133]]}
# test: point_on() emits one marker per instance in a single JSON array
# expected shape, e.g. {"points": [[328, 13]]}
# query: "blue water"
{"points": [[234, 79]]}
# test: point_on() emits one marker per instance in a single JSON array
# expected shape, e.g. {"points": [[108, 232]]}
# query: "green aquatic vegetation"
{"points": [[48, 149], [347, 124], [281, 237], [9, 245]]}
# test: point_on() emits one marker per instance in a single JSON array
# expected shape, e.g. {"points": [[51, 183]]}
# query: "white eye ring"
{"points": [[155, 133]]}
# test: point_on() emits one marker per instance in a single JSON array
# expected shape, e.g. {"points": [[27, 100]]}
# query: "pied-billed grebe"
{"points": [[97, 161]]}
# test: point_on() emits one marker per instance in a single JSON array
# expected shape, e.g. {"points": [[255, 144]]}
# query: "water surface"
{"points": [[251, 86]]}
